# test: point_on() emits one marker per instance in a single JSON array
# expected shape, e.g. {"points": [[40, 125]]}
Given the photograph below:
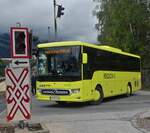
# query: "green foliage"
{"points": [[2, 68], [124, 24]]}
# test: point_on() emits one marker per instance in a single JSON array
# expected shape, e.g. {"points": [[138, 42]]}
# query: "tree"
{"points": [[2, 68], [123, 24]]}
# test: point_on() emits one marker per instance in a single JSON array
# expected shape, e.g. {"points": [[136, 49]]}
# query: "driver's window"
{"points": [[42, 64]]}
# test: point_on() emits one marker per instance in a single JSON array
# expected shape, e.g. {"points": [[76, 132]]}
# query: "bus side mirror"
{"points": [[84, 58]]}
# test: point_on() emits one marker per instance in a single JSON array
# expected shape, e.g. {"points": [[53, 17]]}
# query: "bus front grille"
{"points": [[55, 92]]}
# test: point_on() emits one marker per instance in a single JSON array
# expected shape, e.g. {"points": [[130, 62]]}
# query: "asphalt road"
{"points": [[2, 103], [113, 115], [139, 100]]}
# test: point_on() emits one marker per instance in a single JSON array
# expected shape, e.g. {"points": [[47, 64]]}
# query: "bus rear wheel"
{"points": [[101, 96], [129, 90]]}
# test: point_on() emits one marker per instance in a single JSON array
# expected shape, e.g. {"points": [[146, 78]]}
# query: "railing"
{"points": [[2, 79]]}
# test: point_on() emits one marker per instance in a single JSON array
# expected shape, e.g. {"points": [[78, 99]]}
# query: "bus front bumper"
{"points": [[66, 98]]}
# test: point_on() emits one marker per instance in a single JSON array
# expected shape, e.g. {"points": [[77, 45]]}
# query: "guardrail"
{"points": [[2, 86], [2, 79]]}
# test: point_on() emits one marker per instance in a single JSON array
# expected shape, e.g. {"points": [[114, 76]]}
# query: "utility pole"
{"points": [[49, 38], [55, 20], [60, 12]]}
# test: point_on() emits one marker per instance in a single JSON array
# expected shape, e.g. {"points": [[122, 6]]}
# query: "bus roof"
{"points": [[77, 43]]}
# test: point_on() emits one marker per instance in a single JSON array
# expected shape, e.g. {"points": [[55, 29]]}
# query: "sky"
{"points": [[78, 22]]}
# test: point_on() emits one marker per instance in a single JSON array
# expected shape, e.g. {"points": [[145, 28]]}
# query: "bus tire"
{"points": [[101, 95], [129, 90]]}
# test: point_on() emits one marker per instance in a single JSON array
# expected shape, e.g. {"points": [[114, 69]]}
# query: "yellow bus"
{"points": [[75, 71]]}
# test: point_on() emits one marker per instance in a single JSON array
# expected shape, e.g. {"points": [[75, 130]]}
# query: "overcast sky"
{"points": [[77, 23]]}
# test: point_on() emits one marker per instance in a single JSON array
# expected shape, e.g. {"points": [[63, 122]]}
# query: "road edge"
{"points": [[134, 120]]}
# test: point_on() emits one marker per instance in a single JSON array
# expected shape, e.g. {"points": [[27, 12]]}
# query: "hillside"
{"points": [[4, 45]]}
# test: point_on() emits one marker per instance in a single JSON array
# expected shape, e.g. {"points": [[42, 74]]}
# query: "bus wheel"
{"points": [[129, 90], [100, 97]]}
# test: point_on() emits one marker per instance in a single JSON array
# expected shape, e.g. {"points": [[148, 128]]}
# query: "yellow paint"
{"points": [[113, 83], [84, 58], [78, 43]]}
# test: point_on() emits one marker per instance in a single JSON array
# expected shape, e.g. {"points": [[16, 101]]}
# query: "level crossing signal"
{"points": [[19, 42]]}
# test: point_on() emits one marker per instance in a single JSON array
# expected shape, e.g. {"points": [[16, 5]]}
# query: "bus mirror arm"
{"points": [[84, 58]]}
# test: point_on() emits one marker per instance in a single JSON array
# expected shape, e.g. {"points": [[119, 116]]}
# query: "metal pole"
{"points": [[55, 20], [49, 38]]}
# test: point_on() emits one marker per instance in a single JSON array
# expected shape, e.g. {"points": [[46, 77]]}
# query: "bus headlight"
{"points": [[38, 90], [75, 90]]}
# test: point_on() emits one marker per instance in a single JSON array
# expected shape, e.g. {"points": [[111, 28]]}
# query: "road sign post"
{"points": [[18, 80]]}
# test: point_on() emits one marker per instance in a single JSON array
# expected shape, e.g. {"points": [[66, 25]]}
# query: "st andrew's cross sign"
{"points": [[18, 94]]}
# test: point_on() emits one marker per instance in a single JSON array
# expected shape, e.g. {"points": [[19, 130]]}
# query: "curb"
{"points": [[44, 130], [134, 122], [2, 79], [33, 128], [7, 128]]}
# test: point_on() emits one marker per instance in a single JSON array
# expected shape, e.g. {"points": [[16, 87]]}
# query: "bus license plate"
{"points": [[54, 98]]}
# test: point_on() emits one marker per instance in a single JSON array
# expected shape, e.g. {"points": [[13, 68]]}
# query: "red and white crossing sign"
{"points": [[18, 94]]}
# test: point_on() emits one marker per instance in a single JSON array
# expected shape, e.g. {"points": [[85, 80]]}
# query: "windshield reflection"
{"points": [[65, 61]]}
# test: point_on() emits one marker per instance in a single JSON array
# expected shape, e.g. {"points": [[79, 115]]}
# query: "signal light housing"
{"points": [[60, 11], [19, 42]]}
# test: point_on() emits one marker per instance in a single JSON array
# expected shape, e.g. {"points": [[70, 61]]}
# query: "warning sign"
{"points": [[18, 94]]}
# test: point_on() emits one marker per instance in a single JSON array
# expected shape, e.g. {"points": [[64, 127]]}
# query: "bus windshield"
{"points": [[60, 61]]}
